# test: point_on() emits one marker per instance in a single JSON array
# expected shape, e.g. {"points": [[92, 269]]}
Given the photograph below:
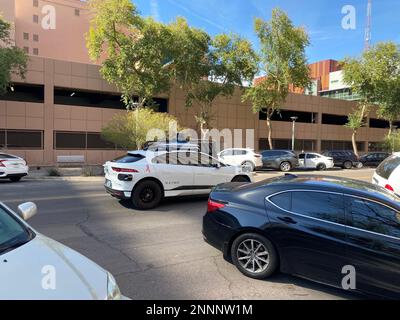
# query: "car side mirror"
{"points": [[217, 165], [27, 210]]}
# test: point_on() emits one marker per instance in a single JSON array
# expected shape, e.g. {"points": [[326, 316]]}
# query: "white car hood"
{"points": [[77, 278]]}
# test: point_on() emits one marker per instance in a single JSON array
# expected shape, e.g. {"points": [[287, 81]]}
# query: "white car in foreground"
{"points": [[241, 157], [146, 177], [315, 161], [12, 167], [387, 175], [34, 267]]}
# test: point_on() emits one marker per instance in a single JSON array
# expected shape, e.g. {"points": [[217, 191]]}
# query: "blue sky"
{"points": [[321, 18]]}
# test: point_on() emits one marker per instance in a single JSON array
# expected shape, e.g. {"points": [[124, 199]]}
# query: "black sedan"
{"points": [[320, 228], [374, 159]]}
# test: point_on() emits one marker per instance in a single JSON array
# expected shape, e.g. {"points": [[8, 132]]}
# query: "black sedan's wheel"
{"points": [[321, 167], [285, 166], [147, 195], [348, 165], [254, 256], [15, 179]]}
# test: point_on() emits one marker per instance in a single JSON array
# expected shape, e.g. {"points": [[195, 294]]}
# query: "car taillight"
{"points": [[213, 206], [389, 187], [124, 170], [257, 155]]}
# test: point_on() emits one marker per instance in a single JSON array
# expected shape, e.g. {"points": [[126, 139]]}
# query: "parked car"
{"points": [[12, 167], [387, 175], [146, 177], [283, 160], [374, 159], [28, 258], [315, 161], [243, 157], [310, 226], [344, 159], [205, 146]]}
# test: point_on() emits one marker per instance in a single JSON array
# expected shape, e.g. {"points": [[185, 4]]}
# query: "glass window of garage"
{"points": [[374, 217], [320, 205]]}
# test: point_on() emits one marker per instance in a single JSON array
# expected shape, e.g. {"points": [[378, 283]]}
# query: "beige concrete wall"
{"points": [[230, 113]]}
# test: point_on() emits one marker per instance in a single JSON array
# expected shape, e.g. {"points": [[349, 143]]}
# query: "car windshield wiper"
{"points": [[14, 244]]}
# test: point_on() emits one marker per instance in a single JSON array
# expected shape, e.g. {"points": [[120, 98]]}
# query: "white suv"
{"points": [[243, 157], [146, 177], [387, 175], [12, 167]]}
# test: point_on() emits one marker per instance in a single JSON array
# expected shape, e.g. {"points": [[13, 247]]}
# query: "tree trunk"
{"points": [[354, 141], [269, 126], [203, 131], [390, 128]]}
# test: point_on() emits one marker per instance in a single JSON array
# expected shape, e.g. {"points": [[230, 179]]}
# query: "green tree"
{"points": [[283, 61], [129, 130], [375, 76], [356, 120], [134, 51], [13, 60]]}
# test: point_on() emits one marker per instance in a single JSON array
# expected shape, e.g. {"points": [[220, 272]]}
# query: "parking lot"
{"points": [[158, 254]]}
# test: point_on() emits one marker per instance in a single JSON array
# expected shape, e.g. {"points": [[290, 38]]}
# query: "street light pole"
{"points": [[294, 119]]}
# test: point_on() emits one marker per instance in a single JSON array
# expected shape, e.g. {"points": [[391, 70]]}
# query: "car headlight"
{"points": [[113, 292]]}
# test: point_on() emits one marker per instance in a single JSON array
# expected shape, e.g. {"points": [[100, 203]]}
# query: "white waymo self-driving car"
{"points": [[146, 177]]}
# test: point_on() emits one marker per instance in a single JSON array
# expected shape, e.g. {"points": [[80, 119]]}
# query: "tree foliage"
{"points": [[13, 60], [284, 62], [376, 77], [129, 130]]}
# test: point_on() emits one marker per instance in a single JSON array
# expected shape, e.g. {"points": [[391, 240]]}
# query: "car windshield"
{"points": [[13, 233]]}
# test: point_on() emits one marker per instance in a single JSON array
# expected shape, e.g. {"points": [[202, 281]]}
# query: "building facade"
{"points": [[63, 103]]}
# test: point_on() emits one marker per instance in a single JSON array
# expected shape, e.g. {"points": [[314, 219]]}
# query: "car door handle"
{"points": [[287, 220]]}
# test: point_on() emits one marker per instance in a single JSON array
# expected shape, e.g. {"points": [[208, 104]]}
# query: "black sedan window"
{"points": [[320, 205], [371, 216], [282, 200]]}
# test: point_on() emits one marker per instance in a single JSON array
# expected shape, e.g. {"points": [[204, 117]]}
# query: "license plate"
{"points": [[108, 184]]}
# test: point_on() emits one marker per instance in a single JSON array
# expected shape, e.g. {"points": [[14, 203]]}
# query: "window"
{"points": [[77, 12], [96, 142], [35, 18], [81, 141], [26, 36], [371, 216], [25, 93], [36, 3], [36, 37], [36, 51], [340, 145], [239, 152], [23, 139], [285, 115], [6, 156], [129, 158], [2, 138], [320, 205], [96, 99], [302, 156], [334, 119], [12, 232], [26, 49], [282, 200], [387, 167], [70, 140], [227, 153], [312, 156]]}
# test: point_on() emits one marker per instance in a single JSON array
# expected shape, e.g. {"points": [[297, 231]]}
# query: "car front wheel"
{"points": [[147, 195], [348, 165], [254, 256], [321, 167], [285, 166], [250, 165]]}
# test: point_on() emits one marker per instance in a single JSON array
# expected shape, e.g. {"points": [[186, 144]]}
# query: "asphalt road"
{"points": [[158, 254]]}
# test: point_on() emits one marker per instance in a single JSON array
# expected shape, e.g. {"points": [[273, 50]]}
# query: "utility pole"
{"points": [[294, 119], [368, 28]]}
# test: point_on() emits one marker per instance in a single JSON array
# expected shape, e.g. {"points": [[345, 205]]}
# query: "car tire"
{"points": [[262, 259], [348, 165], [147, 195], [241, 179], [15, 179], [249, 164], [360, 165], [285, 166], [321, 167]]}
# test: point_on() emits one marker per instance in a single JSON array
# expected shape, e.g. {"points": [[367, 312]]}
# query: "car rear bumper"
{"points": [[118, 194], [12, 175], [216, 234]]}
